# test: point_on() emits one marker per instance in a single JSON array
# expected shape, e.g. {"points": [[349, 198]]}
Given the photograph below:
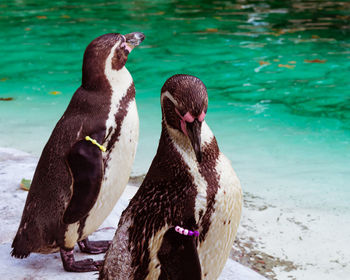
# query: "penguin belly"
{"points": [[215, 249], [116, 176]]}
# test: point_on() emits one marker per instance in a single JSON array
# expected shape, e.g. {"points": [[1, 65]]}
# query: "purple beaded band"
{"points": [[186, 231]]}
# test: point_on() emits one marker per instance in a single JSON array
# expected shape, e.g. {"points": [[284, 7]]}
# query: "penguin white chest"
{"points": [[116, 176], [117, 171], [215, 249]]}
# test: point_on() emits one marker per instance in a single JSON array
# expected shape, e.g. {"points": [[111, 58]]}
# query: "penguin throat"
{"points": [[179, 138]]}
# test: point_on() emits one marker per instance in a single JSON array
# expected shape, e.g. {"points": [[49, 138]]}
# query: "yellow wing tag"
{"points": [[93, 141]]}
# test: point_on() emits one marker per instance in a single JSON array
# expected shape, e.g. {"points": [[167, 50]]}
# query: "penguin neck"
{"points": [[120, 79], [178, 139], [110, 78]]}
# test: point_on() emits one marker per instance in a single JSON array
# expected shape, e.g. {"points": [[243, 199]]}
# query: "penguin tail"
{"points": [[19, 254], [20, 247], [30, 239], [27, 240]]}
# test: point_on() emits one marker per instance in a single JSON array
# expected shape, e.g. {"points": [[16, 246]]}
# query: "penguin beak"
{"points": [[194, 133], [134, 39]]}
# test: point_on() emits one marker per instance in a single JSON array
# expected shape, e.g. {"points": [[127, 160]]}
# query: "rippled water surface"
{"points": [[277, 74]]}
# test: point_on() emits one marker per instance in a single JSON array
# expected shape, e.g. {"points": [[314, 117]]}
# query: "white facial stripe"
{"points": [[120, 81], [171, 98]]}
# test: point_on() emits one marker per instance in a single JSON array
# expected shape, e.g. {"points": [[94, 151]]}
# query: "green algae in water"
{"points": [[276, 71]]}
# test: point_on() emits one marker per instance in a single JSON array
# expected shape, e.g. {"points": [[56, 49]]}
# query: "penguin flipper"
{"points": [[178, 257], [85, 163]]}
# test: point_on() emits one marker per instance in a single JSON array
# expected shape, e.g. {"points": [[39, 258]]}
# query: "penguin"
{"points": [[182, 222], [86, 163]]}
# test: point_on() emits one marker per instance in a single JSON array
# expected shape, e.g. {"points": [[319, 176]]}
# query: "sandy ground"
{"points": [[291, 243], [15, 165]]}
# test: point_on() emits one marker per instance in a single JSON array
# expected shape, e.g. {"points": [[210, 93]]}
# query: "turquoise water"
{"points": [[276, 71]]}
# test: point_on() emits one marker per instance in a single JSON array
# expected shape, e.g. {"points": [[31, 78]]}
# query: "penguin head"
{"points": [[184, 101], [109, 51]]}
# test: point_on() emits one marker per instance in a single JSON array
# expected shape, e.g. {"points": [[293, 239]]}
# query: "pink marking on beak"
{"points": [[188, 117], [201, 116], [126, 47]]}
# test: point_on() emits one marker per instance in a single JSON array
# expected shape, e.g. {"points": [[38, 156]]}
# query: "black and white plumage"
{"points": [[76, 185], [190, 184]]}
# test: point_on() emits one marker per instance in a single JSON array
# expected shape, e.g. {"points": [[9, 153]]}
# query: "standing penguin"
{"points": [[87, 160], [182, 222]]}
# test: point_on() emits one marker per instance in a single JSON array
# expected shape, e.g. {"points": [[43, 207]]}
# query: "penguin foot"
{"points": [[94, 247], [71, 265]]}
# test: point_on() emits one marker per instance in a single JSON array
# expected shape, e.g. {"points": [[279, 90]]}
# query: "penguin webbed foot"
{"points": [[94, 247], [85, 265]]}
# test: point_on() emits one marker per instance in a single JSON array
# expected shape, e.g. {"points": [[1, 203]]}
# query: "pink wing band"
{"points": [[186, 231]]}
